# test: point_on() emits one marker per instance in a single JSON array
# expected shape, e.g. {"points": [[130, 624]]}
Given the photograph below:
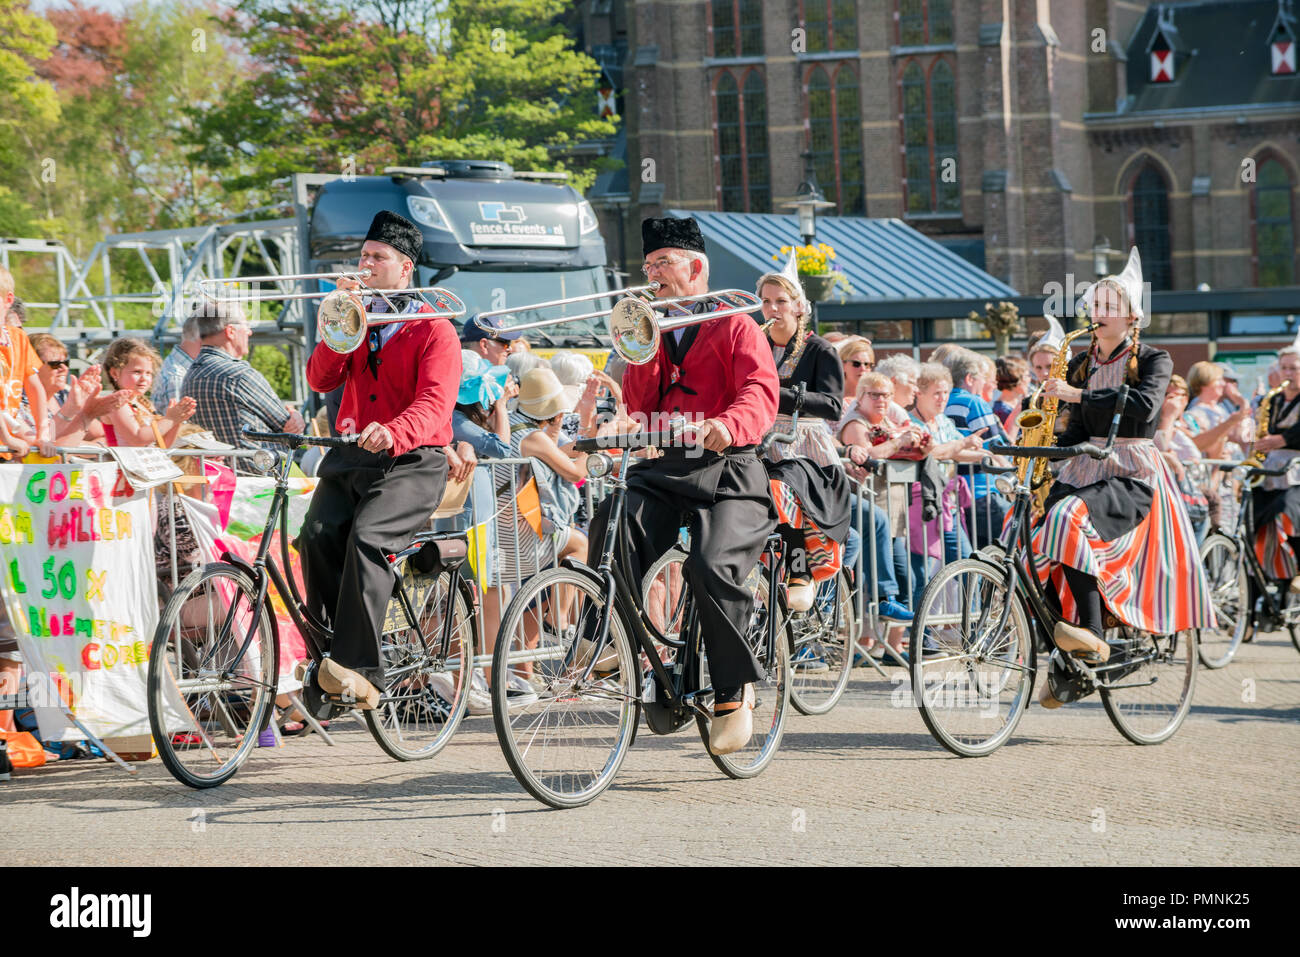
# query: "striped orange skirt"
{"points": [[1150, 577]]}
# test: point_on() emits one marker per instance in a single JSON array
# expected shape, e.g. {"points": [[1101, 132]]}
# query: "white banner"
{"points": [[76, 545]]}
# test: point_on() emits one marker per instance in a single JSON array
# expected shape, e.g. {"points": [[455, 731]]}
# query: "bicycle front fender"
{"points": [[573, 565]]}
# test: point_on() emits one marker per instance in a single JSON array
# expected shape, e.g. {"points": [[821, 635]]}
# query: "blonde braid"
{"points": [[801, 335], [1132, 373]]}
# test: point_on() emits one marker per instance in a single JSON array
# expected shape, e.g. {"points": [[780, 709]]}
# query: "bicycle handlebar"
{"points": [[1051, 452], [989, 468], [294, 439], [627, 440], [1220, 465]]}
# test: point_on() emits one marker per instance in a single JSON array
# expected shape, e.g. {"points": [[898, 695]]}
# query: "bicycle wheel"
{"points": [[974, 679], [822, 659], [1230, 593], [564, 737], [425, 699], [206, 710], [771, 692], [1156, 675]]}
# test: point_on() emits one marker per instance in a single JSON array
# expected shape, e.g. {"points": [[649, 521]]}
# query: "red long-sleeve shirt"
{"points": [[413, 395], [729, 366]]}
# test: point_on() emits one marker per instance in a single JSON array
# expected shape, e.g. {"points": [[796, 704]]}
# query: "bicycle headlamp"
{"points": [[1006, 484], [599, 464], [264, 460]]}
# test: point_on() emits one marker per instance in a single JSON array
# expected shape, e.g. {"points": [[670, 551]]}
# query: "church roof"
{"points": [[1223, 58]]}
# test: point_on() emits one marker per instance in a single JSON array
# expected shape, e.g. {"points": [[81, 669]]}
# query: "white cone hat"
{"points": [[791, 269], [1055, 337], [1130, 280]]}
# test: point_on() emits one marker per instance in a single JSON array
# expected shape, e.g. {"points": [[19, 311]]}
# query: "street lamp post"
{"points": [[808, 199]]}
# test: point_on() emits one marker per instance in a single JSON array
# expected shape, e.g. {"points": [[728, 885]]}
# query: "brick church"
{"points": [[1028, 137]]}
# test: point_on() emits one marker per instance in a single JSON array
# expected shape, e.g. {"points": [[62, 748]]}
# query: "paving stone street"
{"points": [[865, 784]]}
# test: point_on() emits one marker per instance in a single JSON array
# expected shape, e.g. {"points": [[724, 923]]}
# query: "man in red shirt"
{"points": [[719, 375], [398, 395]]}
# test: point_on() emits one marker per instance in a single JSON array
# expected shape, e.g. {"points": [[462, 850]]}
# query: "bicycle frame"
{"points": [[265, 571], [1244, 536], [1045, 611], [618, 594]]}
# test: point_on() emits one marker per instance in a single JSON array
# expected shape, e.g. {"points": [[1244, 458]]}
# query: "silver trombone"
{"points": [[635, 328], [342, 320]]}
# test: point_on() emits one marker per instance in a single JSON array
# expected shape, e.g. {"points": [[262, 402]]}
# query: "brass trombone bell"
{"points": [[342, 321]]}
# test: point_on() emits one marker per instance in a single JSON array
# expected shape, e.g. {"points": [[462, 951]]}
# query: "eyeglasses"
{"points": [[859, 364], [57, 363], [659, 264], [879, 395]]}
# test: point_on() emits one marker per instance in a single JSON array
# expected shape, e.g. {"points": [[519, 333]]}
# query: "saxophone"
{"points": [[1256, 459], [1038, 424]]}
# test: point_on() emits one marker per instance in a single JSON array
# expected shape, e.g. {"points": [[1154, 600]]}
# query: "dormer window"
{"points": [[1162, 50], [1281, 42]]}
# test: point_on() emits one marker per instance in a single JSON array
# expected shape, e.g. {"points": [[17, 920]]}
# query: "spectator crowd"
{"points": [[942, 414]]}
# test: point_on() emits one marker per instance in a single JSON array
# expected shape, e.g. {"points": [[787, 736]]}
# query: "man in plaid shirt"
{"points": [[229, 392]]}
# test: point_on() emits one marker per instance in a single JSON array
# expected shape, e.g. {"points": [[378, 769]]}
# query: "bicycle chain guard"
{"points": [[1066, 683]]}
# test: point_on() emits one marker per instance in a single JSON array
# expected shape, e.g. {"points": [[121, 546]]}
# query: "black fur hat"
{"points": [[398, 232], [671, 233]]}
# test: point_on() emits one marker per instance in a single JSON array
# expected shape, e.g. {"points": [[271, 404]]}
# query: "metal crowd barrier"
{"points": [[891, 489], [493, 520]]}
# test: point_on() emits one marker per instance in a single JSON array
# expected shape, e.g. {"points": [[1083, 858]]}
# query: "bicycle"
{"points": [[973, 657], [581, 636], [821, 643], [214, 655], [1246, 600]]}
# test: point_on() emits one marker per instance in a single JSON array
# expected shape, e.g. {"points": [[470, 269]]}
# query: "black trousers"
{"points": [[366, 506], [724, 501]]}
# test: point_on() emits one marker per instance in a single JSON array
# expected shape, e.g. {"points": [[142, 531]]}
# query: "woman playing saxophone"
{"points": [[1277, 504], [1116, 532]]}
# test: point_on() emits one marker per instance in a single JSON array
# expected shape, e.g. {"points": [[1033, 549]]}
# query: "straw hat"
{"points": [[542, 395]]}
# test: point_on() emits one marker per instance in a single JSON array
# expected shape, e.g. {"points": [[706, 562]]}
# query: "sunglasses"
{"points": [[859, 364], [57, 363]]}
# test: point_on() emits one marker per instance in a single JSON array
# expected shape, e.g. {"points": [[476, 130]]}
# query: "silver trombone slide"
{"points": [[288, 277], [524, 326]]}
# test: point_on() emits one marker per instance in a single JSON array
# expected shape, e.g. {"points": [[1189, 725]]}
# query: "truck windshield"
{"points": [[484, 291]]}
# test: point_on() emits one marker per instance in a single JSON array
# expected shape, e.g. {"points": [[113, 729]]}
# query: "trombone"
{"points": [[342, 320], [634, 326]]}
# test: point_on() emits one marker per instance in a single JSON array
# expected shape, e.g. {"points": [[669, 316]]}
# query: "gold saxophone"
{"points": [[1256, 459], [1038, 424]]}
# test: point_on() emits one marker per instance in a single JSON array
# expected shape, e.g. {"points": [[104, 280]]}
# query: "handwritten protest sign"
{"points": [[76, 556]]}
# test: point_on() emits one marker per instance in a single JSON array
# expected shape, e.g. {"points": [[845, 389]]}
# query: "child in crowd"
{"points": [[19, 365]]}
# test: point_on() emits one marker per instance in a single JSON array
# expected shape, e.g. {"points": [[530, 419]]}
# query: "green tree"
{"points": [[400, 82], [132, 87], [27, 106]]}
